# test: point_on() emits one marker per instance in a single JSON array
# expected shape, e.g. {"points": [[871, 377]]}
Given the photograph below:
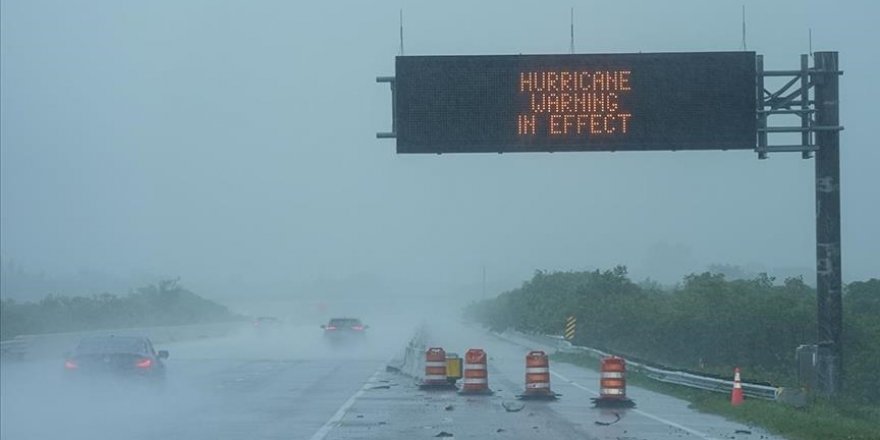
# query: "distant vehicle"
{"points": [[267, 321], [120, 356], [343, 329]]}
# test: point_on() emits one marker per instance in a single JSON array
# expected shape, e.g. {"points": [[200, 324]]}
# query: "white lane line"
{"points": [[340, 413], [700, 434]]}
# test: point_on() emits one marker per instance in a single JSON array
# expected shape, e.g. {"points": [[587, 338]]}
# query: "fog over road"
{"points": [[289, 384]]}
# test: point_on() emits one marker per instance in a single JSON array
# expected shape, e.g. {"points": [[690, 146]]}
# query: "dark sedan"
{"points": [[340, 330], [121, 356]]}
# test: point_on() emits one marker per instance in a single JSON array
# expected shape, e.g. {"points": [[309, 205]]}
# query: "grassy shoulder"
{"points": [[822, 420]]}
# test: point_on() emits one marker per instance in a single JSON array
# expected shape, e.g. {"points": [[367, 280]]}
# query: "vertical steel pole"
{"points": [[484, 281], [806, 117], [762, 117], [394, 106], [828, 276]]}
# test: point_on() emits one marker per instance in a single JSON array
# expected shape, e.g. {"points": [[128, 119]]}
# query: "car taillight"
{"points": [[357, 327], [330, 327], [70, 365], [144, 363]]}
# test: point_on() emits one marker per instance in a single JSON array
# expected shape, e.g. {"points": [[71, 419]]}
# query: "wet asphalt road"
{"points": [[267, 387]]}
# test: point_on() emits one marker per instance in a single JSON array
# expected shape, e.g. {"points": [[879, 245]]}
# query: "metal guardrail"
{"points": [[14, 349], [667, 376], [683, 378], [707, 383]]}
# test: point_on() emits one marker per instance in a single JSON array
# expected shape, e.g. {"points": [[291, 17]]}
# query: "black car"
{"points": [[122, 356], [344, 329]]}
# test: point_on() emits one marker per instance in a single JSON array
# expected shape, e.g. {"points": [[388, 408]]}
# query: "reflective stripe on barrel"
{"points": [[476, 380]]}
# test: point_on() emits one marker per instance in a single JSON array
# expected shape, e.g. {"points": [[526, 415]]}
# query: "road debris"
{"points": [[449, 408], [609, 423], [444, 434], [512, 406], [742, 431]]}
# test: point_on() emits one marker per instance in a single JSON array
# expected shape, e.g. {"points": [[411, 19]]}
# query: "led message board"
{"points": [[613, 102]]}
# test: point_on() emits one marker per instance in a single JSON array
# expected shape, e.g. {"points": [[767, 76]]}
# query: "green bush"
{"points": [[165, 303]]}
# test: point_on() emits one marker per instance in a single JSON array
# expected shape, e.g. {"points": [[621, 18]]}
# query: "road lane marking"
{"points": [[700, 434], [340, 413]]}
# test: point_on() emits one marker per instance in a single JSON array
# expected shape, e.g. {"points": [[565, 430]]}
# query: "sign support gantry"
{"points": [[820, 135]]}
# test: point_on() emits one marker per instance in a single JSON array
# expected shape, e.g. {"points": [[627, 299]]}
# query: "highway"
{"points": [[289, 384]]}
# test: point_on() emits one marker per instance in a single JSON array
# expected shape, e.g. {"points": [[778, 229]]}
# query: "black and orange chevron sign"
{"points": [[570, 324]]}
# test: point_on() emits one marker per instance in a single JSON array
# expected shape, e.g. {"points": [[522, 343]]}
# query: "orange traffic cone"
{"points": [[736, 396]]}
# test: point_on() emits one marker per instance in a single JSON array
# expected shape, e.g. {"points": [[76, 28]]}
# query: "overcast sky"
{"points": [[233, 144]]}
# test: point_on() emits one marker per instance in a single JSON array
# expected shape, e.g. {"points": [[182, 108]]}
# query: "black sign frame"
{"points": [[675, 101]]}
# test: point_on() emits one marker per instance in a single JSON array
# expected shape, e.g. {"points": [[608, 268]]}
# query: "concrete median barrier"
{"points": [[411, 360]]}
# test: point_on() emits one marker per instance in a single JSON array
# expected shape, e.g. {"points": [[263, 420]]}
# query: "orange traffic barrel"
{"points": [[435, 370], [612, 384], [537, 377], [476, 374]]}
